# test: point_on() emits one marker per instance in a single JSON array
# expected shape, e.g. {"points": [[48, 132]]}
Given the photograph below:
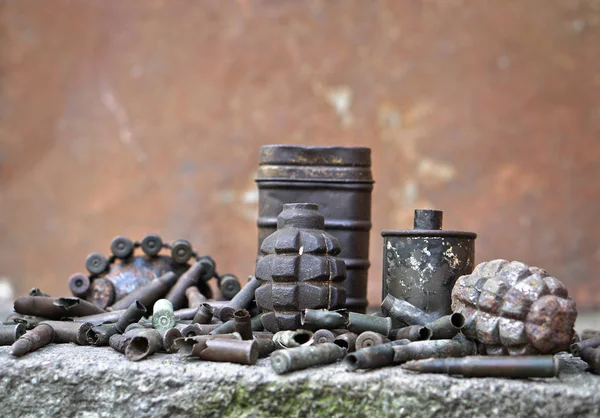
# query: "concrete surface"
{"points": [[70, 381]]}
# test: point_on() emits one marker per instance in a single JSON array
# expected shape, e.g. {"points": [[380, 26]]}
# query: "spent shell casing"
{"points": [[39, 306], [413, 333], [162, 315], [192, 346], [243, 324], [99, 335], [146, 342], [404, 313], [592, 357], [488, 366], [204, 314], [323, 336], [188, 313], [191, 277], [373, 357], [140, 324], [11, 333], [229, 326], [37, 292], [346, 340], [582, 345], [299, 358], [32, 340], [359, 323], [241, 300], [290, 339], [79, 284], [132, 314], [191, 330], [416, 350], [447, 326], [29, 321], [324, 319], [118, 342], [169, 338], [77, 307], [149, 294], [264, 346], [370, 339], [102, 318], [194, 297], [230, 350], [70, 332]]}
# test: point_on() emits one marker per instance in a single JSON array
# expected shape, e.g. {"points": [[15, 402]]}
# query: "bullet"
{"points": [[416, 350], [324, 319], [132, 314], [162, 315], [70, 332], [577, 348], [323, 336], [102, 318], [359, 323], [290, 339], [413, 333], [149, 294], [204, 314], [592, 357], [299, 358], [229, 286], [191, 330], [169, 338], [200, 270], [194, 297], [37, 292], [447, 326], [487, 366], [404, 313], [241, 300], [346, 340], [229, 326], [234, 351], [11, 333], [192, 346], [38, 337], [145, 343], [373, 357], [79, 284], [243, 324]]}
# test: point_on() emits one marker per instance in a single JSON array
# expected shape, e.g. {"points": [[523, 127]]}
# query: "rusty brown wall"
{"points": [[124, 117]]}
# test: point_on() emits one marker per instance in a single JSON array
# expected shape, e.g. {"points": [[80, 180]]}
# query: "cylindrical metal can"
{"points": [[339, 180], [421, 265]]}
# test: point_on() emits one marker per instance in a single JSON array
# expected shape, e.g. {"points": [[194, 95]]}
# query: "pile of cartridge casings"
{"points": [[306, 303]]}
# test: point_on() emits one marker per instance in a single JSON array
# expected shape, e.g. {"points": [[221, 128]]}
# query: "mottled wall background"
{"points": [[125, 117]]}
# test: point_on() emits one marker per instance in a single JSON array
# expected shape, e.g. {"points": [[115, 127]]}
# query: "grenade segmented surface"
{"points": [[298, 269], [511, 308]]}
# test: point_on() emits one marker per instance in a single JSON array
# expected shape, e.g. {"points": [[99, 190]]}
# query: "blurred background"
{"points": [[123, 118]]}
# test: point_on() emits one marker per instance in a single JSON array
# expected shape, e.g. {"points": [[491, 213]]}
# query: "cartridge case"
{"points": [[204, 314], [194, 297], [148, 294], [592, 357], [199, 271], [32, 340], [132, 314], [324, 319], [70, 332], [577, 348], [77, 307], [447, 326], [43, 306], [118, 342], [242, 300], [11, 333], [412, 333], [373, 357], [188, 313], [229, 326], [290, 339], [243, 324], [102, 318], [339, 180], [264, 346], [145, 343], [193, 346], [162, 315], [323, 336], [191, 330], [30, 322], [79, 284], [416, 350], [586, 334], [168, 340], [370, 339], [37, 292], [485, 366], [404, 313], [99, 335], [299, 358], [233, 351], [346, 340], [359, 323]]}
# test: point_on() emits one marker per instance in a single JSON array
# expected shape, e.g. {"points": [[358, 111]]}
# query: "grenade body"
{"points": [[298, 268]]}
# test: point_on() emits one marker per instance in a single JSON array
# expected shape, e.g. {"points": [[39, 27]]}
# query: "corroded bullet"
{"points": [[229, 326], [54, 308], [243, 324], [70, 332], [456, 347], [299, 358], [241, 300], [162, 315], [204, 314], [192, 346], [194, 297], [577, 348], [447, 326], [79, 284], [102, 318], [359, 323], [404, 313], [413, 333], [202, 269], [373, 357], [370, 339], [145, 343], [488, 366], [324, 319], [191, 330], [37, 292], [592, 357], [323, 336], [290, 339], [11, 333], [38, 337], [234, 351], [132, 314], [149, 294], [346, 340]]}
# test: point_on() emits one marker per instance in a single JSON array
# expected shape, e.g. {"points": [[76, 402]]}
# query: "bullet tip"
{"points": [[20, 347]]}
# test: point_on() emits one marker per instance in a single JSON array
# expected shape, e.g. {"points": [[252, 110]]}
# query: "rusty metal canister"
{"points": [[421, 265], [339, 180]]}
